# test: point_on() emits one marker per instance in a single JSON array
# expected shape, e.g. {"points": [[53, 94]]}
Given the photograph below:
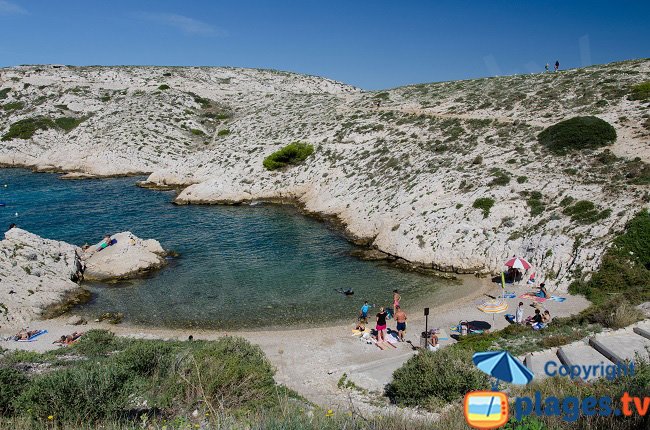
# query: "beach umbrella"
{"points": [[503, 366], [493, 306], [518, 263]]}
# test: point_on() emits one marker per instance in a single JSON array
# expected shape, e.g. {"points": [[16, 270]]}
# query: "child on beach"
{"points": [[519, 314], [396, 299], [363, 315]]}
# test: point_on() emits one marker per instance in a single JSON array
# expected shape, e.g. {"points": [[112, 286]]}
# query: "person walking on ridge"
{"points": [[557, 65]]}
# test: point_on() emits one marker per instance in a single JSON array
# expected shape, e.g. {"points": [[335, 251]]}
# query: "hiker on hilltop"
{"points": [[557, 65], [546, 67]]}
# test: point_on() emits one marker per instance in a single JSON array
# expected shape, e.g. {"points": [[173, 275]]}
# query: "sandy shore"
{"points": [[311, 361]]}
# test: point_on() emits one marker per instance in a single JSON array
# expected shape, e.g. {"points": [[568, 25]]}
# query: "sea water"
{"points": [[262, 266]]}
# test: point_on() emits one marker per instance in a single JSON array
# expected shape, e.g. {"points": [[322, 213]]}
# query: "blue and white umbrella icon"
{"points": [[503, 366]]}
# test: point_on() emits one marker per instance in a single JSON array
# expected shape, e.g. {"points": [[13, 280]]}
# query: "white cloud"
{"points": [[183, 23], [8, 8]]}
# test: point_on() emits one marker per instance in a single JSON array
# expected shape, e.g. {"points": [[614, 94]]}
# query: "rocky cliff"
{"points": [[39, 277], [447, 175]]}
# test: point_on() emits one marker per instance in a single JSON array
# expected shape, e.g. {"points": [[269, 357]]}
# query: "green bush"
{"points": [[485, 204], [291, 154], [12, 383], [623, 273], [87, 393], [25, 128], [68, 123], [4, 92], [641, 92], [12, 106], [585, 212], [105, 378], [164, 87], [577, 133], [197, 132], [428, 378], [224, 132]]}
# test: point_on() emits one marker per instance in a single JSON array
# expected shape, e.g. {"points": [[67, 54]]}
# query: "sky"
{"points": [[372, 44]]}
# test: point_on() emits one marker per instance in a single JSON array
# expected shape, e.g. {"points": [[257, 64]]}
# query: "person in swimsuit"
{"points": [[400, 317], [363, 315], [381, 325], [396, 299]]}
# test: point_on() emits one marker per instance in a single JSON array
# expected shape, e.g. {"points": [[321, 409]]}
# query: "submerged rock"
{"points": [[36, 274], [126, 257]]}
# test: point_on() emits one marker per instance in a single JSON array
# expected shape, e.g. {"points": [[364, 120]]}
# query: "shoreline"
{"points": [[312, 360]]}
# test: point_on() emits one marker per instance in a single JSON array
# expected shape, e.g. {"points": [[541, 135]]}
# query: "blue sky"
{"points": [[371, 44]]}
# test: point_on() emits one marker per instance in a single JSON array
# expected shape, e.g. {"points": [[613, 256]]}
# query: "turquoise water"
{"points": [[239, 266]]}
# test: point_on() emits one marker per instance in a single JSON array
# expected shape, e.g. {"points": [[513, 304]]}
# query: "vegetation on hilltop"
{"points": [[26, 128], [641, 92], [292, 154], [583, 132]]}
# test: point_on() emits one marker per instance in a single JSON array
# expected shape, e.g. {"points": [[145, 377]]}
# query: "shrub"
{"points": [[197, 132], [25, 128], [97, 342], [535, 204], [224, 132], [291, 154], [163, 87], [88, 392], [4, 92], [641, 92], [623, 273], [585, 212], [12, 383], [12, 106], [522, 179], [430, 377], [577, 133], [500, 177], [485, 204], [68, 123]]}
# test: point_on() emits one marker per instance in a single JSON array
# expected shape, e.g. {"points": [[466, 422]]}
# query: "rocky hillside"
{"points": [[446, 175]]}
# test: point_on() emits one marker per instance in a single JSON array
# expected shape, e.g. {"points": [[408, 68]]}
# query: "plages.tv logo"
{"points": [[489, 409]]}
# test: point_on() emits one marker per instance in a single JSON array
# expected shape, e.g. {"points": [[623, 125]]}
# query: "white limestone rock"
{"points": [[127, 257], [35, 274]]}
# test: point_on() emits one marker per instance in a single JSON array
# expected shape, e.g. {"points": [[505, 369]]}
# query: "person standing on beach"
{"points": [[363, 315], [519, 314], [396, 299], [400, 317], [381, 325], [557, 65]]}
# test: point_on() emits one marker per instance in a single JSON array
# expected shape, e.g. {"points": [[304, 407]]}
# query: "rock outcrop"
{"points": [[127, 257], [39, 277], [35, 274]]}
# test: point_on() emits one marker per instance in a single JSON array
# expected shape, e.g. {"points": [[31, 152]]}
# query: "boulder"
{"points": [[36, 275], [128, 256]]}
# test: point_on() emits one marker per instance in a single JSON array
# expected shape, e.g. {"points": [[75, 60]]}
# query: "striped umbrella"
{"points": [[502, 366], [493, 306], [518, 263]]}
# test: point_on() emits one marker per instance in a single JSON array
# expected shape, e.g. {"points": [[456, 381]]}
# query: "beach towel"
{"points": [[558, 299], [359, 332], [533, 297], [509, 295], [442, 334], [33, 337]]}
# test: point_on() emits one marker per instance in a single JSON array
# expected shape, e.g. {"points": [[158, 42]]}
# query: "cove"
{"points": [[262, 266]]}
